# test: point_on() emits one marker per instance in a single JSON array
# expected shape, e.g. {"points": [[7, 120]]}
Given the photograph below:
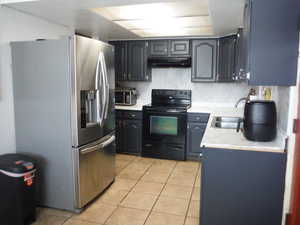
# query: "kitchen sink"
{"points": [[226, 122]]}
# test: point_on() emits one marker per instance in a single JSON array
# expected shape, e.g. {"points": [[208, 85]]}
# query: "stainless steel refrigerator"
{"points": [[65, 116]]}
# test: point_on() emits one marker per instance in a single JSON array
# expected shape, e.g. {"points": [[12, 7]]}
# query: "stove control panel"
{"points": [[172, 94]]}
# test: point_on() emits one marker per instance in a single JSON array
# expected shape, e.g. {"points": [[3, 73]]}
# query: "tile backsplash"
{"points": [[225, 94]]}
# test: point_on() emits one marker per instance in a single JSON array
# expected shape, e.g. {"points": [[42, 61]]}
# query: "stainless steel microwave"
{"points": [[125, 96]]}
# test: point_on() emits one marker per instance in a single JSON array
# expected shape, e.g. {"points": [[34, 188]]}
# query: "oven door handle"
{"points": [[175, 147], [151, 111]]}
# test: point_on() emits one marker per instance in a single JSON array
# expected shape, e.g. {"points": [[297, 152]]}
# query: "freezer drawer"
{"points": [[96, 169]]}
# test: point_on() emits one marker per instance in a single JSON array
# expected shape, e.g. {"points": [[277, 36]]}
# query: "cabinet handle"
{"points": [[132, 115], [248, 76]]}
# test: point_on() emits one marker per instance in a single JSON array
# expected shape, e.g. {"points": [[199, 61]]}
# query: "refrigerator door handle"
{"points": [[108, 142], [89, 150], [99, 87], [101, 55], [105, 87]]}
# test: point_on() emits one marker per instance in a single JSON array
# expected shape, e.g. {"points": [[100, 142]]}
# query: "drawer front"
{"points": [[133, 115], [198, 117]]}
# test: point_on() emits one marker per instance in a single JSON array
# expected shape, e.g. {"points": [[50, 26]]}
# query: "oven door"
{"points": [[167, 127]]}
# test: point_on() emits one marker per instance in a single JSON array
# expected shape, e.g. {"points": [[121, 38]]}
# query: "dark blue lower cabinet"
{"points": [[240, 187], [196, 126], [129, 132]]}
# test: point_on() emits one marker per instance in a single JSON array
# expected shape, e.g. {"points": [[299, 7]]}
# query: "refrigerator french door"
{"points": [[93, 91]]}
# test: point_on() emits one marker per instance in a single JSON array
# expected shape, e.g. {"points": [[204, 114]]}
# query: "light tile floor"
{"points": [[146, 192]]}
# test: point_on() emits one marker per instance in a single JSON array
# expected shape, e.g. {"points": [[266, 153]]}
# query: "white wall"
{"points": [[292, 112], [224, 94], [17, 26]]}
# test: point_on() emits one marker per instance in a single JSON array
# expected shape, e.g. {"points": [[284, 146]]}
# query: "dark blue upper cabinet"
{"points": [[204, 60], [271, 41], [158, 48]]}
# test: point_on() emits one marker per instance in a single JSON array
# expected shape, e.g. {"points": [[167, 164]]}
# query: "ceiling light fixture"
{"points": [[180, 18]]}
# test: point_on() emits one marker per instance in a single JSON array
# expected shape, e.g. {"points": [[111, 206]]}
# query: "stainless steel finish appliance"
{"points": [[65, 116], [125, 96], [165, 124]]}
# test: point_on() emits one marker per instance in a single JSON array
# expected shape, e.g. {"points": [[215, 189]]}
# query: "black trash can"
{"points": [[17, 189]]}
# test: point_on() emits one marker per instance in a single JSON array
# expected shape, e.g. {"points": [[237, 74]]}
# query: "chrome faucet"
{"points": [[239, 101], [251, 93]]}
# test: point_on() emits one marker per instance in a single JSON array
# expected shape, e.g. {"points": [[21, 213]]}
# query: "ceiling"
{"points": [[133, 19]]}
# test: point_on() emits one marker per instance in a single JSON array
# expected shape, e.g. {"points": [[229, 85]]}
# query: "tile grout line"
{"points": [[186, 216], [164, 185], [130, 162], [117, 206], [130, 190]]}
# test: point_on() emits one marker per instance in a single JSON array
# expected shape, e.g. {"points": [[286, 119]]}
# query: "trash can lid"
{"points": [[16, 163]]}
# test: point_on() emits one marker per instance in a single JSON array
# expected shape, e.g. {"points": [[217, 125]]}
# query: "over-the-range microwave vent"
{"points": [[159, 62]]}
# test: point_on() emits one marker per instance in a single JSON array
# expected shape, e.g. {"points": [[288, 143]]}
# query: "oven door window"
{"points": [[163, 125]]}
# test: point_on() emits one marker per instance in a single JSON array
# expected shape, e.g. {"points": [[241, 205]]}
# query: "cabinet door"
{"points": [[120, 60], [119, 136], [137, 61], [248, 182], [132, 136], [158, 48], [179, 47], [239, 56], [194, 138], [246, 38], [226, 60], [204, 60], [271, 33]]}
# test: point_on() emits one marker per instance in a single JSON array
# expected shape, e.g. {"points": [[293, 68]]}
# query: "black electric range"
{"points": [[165, 124]]}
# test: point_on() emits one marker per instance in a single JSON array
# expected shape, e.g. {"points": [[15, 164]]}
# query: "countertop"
{"points": [[226, 138], [137, 107], [230, 139]]}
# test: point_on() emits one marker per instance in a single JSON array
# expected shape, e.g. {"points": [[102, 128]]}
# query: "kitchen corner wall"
{"points": [[17, 26], [283, 107], [221, 94]]}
